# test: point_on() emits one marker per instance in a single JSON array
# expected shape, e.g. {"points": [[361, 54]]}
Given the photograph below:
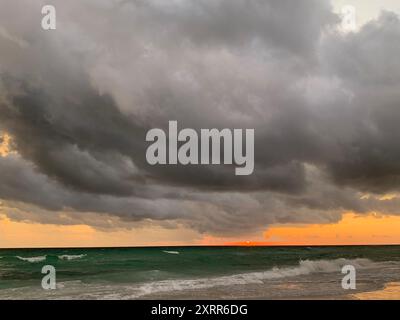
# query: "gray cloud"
{"points": [[78, 102]]}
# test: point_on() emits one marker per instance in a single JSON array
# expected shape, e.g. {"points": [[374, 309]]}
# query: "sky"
{"points": [[367, 10], [76, 103]]}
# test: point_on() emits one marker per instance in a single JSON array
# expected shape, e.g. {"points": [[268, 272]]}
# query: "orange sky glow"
{"points": [[351, 230]]}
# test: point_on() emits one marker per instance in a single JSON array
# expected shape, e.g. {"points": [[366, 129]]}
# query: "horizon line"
{"points": [[211, 245]]}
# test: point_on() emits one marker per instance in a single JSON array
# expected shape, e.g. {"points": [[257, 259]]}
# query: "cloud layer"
{"points": [[78, 101]]}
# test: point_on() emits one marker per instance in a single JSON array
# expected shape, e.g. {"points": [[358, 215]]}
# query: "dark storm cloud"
{"points": [[238, 23], [369, 152], [79, 100], [78, 138]]}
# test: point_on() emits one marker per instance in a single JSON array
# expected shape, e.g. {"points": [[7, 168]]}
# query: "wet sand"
{"points": [[390, 292]]}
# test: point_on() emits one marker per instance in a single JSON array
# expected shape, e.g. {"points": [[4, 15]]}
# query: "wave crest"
{"points": [[304, 267], [71, 256], [171, 252], [32, 259]]}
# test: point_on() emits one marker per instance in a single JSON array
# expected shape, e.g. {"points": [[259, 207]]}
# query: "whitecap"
{"points": [[32, 259], [171, 252], [71, 256]]}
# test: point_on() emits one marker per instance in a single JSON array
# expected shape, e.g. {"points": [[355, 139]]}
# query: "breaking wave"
{"points": [[32, 259], [171, 252], [305, 267], [71, 256]]}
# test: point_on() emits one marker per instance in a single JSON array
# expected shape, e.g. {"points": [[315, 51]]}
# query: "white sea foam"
{"points": [[304, 268], [71, 256], [32, 259], [171, 252]]}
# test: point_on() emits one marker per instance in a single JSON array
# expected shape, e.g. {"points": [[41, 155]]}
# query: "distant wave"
{"points": [[171, 252], [71, 256], [32, 259]]}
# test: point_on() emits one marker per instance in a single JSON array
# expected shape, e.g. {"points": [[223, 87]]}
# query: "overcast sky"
{"points": [[77, 103]]}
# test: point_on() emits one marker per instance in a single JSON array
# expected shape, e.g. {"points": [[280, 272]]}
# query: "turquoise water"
{"points": [[137, 272]]}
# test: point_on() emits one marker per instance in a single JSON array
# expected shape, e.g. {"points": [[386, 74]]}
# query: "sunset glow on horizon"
{"points": [[351, 230]]}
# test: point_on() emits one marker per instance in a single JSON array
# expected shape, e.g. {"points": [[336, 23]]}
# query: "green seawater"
{"points": [[104, 267]]}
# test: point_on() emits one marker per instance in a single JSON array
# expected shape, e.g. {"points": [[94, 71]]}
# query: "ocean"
{"points": [[202, 273]]}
